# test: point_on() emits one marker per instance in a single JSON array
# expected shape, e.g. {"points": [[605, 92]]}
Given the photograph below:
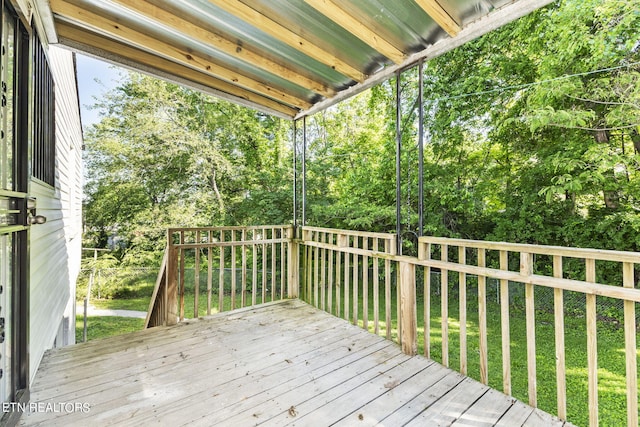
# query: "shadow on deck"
{"points": [[281, 363]]}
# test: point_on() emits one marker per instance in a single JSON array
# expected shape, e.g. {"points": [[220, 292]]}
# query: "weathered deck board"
{"points": [[281, 363]]}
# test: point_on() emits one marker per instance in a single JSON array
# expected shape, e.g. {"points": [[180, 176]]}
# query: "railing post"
{"points": [[171, 317], [293, 266], [408, 310], [630, 347]]}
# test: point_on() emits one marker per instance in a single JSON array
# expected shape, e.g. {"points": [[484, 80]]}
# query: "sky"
{"points": [[95, 78]]}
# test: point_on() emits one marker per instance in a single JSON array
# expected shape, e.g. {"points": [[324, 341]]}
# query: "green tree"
{"points": [[167, 156]]}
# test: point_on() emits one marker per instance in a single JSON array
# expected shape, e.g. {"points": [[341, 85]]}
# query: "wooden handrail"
{"points": [[156, 314], [569, 252]]}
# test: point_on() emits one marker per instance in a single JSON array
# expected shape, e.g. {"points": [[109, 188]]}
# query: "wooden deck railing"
{"points": [[344, 264], [471, 305], [248, 265]]}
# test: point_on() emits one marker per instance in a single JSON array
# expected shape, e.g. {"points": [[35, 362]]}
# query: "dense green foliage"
{"points": [[531, 135], [167, 156]]}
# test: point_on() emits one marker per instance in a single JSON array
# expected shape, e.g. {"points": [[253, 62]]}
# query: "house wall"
{"points": [[55, 247]]}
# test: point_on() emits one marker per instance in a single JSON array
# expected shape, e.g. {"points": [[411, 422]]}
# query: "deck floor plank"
{"points": [[376, 410], [270, 402], [337, 402], [161, 358], [279, 363], [422, 400], [262, 385], [486, 411]]}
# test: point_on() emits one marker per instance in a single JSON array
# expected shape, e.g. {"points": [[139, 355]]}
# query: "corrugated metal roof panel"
{"points": [[286, 57]]}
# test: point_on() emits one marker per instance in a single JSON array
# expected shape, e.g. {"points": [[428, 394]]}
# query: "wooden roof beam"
{"points": [[337, 14], [85, 41], [224, 45], [181, 56], [283, 34], [438, 14]]}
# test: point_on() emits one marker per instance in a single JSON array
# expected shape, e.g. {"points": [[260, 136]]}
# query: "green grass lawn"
{"points": [[136, 304], [106, 326]]}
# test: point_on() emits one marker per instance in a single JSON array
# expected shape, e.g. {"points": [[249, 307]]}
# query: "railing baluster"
{"points": [[273, 264], [221, 276], [316, 273], [376, 289], [389, 248], [444, 305], [308, 269], [196, 278], [209, 271], [243, 274], [355, 282], [504, 318], [171, 317], [181, 254], [264, 269], [365, 285], [558, 308], [282, 264], [630, 347], [482, 319], [462, 283], [330, 283], [233, 270], [340, 242], [347, 257], [592, 344], [526, 270], [424, 253], [323, 273], [254, 274]]}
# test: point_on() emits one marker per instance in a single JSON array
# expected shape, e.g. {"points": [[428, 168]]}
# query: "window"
{"points": [[43, 164]]}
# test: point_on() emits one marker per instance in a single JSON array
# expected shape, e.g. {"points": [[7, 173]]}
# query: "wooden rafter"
{"points": [[179, 55], [438, 14], [262, 75], [91, 42], [224, 45], [471, 31], [283, 34], [337, 14]]}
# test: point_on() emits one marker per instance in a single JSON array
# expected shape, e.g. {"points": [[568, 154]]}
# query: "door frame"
{"points": [[19, 387]]}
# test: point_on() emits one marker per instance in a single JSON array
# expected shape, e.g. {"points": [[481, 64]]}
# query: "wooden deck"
{"points": [[283, 363]]}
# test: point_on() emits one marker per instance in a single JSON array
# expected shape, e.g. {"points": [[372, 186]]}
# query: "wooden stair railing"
{"points": [[242, 265], [157, 312]]}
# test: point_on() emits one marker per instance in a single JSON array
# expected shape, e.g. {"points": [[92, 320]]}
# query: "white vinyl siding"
{"points": [[55, 247]]}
